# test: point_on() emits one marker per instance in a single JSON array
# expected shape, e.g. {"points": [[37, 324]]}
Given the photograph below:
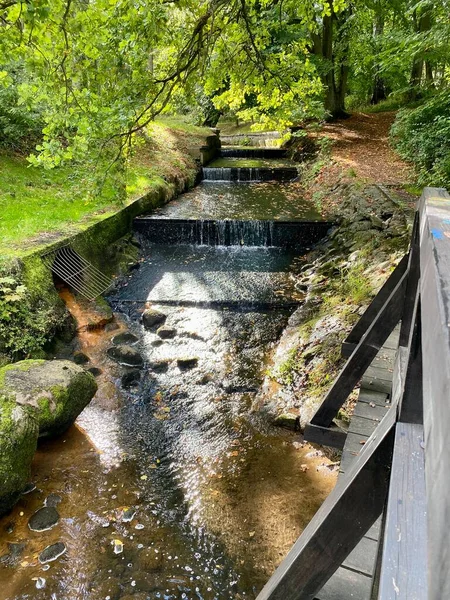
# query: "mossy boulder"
{"points": [[19, 431], [58, 391]]}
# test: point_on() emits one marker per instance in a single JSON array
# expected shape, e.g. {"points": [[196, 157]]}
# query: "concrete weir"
{"points": [[247, 174], [300, 235]]}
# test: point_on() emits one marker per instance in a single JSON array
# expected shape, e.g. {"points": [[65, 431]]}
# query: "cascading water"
{"points": [[249, 174], [178, 489]]}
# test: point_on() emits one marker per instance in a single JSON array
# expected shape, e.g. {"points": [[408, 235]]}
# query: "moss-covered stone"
{"points": [[57, 390], [19, 432]]}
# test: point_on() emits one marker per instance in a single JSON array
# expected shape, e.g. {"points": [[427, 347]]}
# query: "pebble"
{"points": [[125, 338], [80, 358], [30, 487], [95, 371], [128, 515], [117, 546], [40, 583], [165, 332], [52, 552], [188, 362], [53, 500], [44, 519]]}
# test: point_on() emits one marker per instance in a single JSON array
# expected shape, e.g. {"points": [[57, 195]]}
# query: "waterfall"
{"points": [[249, 174], [224, 232]]}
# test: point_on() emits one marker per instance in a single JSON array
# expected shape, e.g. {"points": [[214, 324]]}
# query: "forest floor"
{"points": [[361, 147], [359, 155]]}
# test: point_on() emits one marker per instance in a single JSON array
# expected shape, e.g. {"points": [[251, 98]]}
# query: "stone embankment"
{"points": [[338, 278]]}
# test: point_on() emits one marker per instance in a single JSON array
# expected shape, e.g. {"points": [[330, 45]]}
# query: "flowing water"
{"points": [[254, 201], [202, 495]]}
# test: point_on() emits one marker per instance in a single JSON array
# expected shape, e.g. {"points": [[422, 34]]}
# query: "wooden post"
{"points": [[435, 301]]}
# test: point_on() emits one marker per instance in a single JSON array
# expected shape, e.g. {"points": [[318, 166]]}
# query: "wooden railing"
{"points": [[403, 469]]}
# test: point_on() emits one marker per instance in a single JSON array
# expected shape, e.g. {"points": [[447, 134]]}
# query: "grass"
{"points": [[38, 204], [393, 103], [229, 127]]}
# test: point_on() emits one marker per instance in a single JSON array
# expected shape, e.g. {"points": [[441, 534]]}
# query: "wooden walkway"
{"points": [[354, 577]]}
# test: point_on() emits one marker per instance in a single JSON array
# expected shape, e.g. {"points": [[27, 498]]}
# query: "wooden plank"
{"points": [[403, 574], [346, 585], [362, 326], [435, 300], [334, 531], [374, 531], [373, 397], [366, 410], [362, 559], [326, 436], [409, 309], [377, 384], [392, 341], [368, 348], [411, 406], [384, 372], [353, 446], [347, 459], [363, 426]]}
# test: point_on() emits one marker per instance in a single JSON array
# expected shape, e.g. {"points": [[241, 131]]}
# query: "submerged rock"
{"points": [[13, 555], [187, 362], [53, 500], [58, 390], [152, 317], [288, 420], [130, 379], [159, 366], [19, 432], [128, 515], [125, 338], [80, 358], [44, 519], [95, 371], [165, 332], [41, 583], [52, 552], [30, 487], [125, 355]]}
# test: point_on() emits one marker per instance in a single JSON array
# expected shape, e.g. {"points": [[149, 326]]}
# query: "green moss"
{"points": [[24, 365], [18, 441]]}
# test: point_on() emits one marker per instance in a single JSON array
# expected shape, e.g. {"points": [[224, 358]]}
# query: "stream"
{"points": [[171, 486]]}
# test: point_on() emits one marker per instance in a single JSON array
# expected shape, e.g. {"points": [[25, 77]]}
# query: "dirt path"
{"points": [[361, 148]]}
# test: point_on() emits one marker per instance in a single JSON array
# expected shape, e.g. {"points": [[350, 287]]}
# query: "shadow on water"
{"points": [[174, 489]]}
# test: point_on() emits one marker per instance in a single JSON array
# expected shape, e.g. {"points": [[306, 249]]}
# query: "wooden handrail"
{"points": [[403, 467]]}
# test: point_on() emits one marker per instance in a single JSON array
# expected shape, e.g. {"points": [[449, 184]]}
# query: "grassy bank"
{"points": [[40, 208], [39, 205]]}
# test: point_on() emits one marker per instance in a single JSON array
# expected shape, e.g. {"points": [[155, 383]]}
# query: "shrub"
{"points": [[20, 127], [422, 136], [23, 325]]}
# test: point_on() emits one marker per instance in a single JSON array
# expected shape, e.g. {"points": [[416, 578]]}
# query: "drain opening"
{"points": [[74, 270]]}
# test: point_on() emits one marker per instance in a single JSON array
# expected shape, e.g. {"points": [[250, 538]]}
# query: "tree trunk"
{"points": [[336, 75], [429, 74], [422, 24], [379, 87]]}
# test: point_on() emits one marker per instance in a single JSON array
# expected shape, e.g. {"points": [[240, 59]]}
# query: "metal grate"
{"points": [[77, 272]]}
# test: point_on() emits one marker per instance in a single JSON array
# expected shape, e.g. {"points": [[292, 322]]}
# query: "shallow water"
{"points": [[220, 494], [215, 495], [265, 201]]}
